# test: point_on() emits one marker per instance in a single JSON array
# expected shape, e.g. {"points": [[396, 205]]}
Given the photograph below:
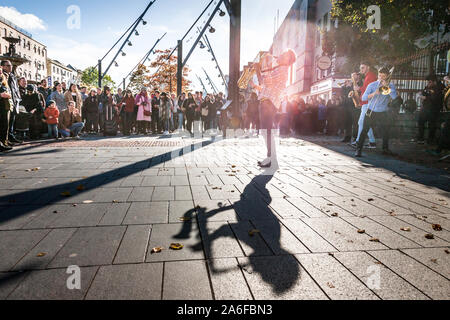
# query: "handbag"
{"points": [[147, 113], [205, 112]]}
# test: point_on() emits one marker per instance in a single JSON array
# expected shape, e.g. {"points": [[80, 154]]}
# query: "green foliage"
{"points": [[89, 78], [403, 23]]}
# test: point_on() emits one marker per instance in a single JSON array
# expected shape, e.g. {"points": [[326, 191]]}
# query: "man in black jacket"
{"points": [[432, 104], [156, 125], [15, 93]]}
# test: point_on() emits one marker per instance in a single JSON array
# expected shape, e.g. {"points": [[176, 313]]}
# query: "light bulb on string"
{"points": [[136, 33], [211, 29]]}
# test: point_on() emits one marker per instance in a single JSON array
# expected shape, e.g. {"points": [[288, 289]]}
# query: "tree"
{"points": [[139, 78], [403, 25], [165, 76], [89, 78]]}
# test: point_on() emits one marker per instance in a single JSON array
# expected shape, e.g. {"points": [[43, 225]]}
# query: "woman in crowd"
{"points": [[205, 106], [144, 112], [74, 95], [58, 96], [190, 106], [322, 116], [165, 112], [128, 112], [91, 110], [181, 112], [212, 114]]}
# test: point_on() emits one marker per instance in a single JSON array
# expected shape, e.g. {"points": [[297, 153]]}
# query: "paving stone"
{"points": [[179, 180], [133, 247], [216, 210], [15, 217], [342, 235], [388, 237], [163, 235], [16, 244], [163, 194], [434, 258], [383, 282], [426, 280], [408, 204], [9, 281], [183, 193], [417, 235], [83, 215], [285, 209], [147, 213], [114, 215], [141, 194], [49, 246], [429, 204], [252, 245], [127, 282], [90, 247], [179, 209], [425, 226], [307, 210], [279, 278], [357, 207], [219, 240], [181, 277], [52, 285], [226, 274], [337, 282], [156, 181], [310, 239], [225, 192]]}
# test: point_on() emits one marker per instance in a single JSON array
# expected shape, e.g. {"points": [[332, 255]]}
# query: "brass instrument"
{"points": [[384, 90], [247, 75], [356, 96]]}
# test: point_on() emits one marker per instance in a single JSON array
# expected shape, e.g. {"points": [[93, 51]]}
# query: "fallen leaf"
{"points": [[329, 284], [374, 240], [156, 250], [429, 236], [437, 227], [447, 251], [334, 214], [73, 255], [74, 205], [87, 201], [361, 231], [66, 194], [115, 201], [41, 254], [184, 219], [406, 229], [251, 233], [370, 200], [176, 246], [433, 260], [81, 187]]}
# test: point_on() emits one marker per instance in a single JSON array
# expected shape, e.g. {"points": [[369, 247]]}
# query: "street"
{"points": [[319, 225]]}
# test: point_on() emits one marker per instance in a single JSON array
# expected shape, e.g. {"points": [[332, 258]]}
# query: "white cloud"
{"points": [[26, 21]]}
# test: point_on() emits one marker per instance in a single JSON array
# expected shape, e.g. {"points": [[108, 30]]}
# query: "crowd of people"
{"points": [[64, 112]]}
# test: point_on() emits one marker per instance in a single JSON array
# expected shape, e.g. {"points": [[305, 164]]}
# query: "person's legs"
{"points": [[361, 124], [50, 131], [4, 126], [368, 121], [421, 124], [432, 126], [76, 128], [64, 133]]}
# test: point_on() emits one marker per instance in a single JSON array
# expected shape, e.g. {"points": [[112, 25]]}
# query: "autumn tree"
{"points": [[405, 27], [139, 78], [89, 78], [164, 76]]}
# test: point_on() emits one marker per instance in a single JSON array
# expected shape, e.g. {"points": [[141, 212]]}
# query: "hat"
{"points": [[51, 102], [30, 87]]}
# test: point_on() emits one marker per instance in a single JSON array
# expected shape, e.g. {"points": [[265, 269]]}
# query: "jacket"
{"points": [[67, 119], [52, 115], [78, 100], [59, 99], [91, 105], [15, 93], [369, 78]]}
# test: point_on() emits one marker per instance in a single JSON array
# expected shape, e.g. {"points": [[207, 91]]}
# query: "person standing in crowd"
{"points": [[267, 112], [43, 89], [34, 103], [322, 116], [58, 96], [119, 96], [212, 114], [74, 95], [52, 116], [128, 112], [6, 105], [108, 102], [64, 87], [369, 77], [83, 93], [205, 106], [91, 111], [190, 106], [69, 123], [15, 93], [347, 111], [432, 97], [145, 113], [156, 125], [166, 110], [174, 113], [252, 114], [378, 104], [101, 121], [22, 87], [181, 111]]}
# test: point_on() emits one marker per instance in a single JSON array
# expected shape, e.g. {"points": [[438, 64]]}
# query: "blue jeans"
{"points": [[52, 130], [75, 129], [180, 120]]}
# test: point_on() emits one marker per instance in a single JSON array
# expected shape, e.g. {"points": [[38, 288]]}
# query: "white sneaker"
{"points": [[166, 133]]}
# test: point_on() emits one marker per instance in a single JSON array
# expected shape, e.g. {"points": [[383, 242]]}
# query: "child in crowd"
{"points": [[52, 115]]}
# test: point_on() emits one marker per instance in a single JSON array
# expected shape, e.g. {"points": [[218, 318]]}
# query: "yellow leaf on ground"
{"points": [[184, 219], [156, 250], [41, 254], [406, 229], [437, 227], [176, 246], [251, 233], [361, 231], [429, 236], [81, 187], [66, 194]]}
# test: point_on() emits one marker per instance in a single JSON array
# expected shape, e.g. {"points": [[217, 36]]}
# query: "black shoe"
{"points": [[5, 148], [358, 153], [15, 140]]}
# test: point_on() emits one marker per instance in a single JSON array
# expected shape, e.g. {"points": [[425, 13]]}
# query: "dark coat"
{"points": [[91, 105], [15, 92]]}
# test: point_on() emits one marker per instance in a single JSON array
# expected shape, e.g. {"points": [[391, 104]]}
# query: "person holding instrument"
{"points": [[378, 95]]}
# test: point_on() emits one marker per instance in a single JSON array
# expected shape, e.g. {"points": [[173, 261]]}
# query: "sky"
{"points": [[103, 22]]}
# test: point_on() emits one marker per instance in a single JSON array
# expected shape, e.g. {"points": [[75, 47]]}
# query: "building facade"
{"points": [[36, 69], [58, 72]]}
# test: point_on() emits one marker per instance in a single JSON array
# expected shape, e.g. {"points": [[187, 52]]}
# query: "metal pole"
{"points": [[124, 84], [217, 63], [235, 55], [213, 86], [180, 68], [204, 88], [100, 74]]}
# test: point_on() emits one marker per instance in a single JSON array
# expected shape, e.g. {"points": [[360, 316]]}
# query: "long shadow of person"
{"points": [[280, 271]]}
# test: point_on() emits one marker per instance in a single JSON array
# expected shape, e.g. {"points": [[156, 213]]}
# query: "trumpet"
{"points": [[385, 90]]}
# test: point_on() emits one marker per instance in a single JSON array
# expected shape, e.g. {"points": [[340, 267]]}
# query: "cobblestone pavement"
{"points": [[323, 226]]}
